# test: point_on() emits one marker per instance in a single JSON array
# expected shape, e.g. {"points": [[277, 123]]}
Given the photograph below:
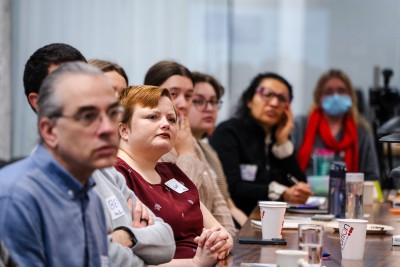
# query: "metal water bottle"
{"points": [[337, 189]]}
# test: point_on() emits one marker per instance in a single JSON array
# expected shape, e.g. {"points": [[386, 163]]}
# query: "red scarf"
{"points": [[317, 124]]}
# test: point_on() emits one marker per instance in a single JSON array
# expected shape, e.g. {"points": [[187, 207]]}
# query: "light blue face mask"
{"points": [[336, 104]]}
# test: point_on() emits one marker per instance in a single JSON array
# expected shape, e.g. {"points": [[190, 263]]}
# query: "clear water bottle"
{"points": [[354, 195], [337, 189]]}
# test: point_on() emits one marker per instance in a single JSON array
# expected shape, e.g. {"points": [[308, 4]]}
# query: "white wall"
{"points": [[231, 39], [134, 33], [5, 94], [302, 39]]}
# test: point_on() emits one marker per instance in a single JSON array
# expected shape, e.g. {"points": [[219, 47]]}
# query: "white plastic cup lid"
{"points": [[354, 177], [272, 204], [291, 252], [352, 221]]}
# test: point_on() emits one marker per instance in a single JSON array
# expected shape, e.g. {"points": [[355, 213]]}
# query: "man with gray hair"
{"points": [[135, 236], [49, 216]]}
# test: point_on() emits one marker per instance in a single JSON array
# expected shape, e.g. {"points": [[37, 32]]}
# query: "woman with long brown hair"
{"points": [[186, 153], [334, 123]]}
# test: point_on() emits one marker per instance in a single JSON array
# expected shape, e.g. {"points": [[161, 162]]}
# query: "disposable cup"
{"points": [[272, 217], [310, 240], [350, 263], [352, 233], [290, 258], [368, 196]]}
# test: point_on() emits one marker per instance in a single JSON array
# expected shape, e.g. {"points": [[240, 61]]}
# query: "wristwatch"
{"points": [[131, 235]]}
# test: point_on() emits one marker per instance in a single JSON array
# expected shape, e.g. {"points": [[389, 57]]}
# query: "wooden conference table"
{"points": [[378, 248]]}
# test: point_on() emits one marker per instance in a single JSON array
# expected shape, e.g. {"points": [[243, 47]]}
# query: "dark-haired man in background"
{"points": [[44, 61]]}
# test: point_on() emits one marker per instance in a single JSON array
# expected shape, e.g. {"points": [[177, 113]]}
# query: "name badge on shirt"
{"points": [[176, 186], [114, 207], [248, 172], [104, 261]]}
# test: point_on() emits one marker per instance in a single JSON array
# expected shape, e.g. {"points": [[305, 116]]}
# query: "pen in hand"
{"points": [[292, 179], [301, 186]]}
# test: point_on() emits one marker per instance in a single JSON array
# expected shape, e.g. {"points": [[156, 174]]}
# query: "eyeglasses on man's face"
{"points": [[200, 103], [91, 117], [268, 94]]}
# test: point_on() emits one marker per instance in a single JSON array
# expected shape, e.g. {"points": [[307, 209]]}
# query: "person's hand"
{"points": [[217, 239], [208, 245], [227, 240], [140, 216], [205, 235], [298, 193], [204, 257], [184, 139], [122, 237], [285, 126], [228, 261]]}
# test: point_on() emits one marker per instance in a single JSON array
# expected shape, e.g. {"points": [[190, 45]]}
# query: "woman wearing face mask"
{"points": [[335, 124], [186, 153], [255, 149]]}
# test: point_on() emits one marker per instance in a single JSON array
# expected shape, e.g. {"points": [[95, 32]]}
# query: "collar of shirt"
{"points": [[59, 175]]}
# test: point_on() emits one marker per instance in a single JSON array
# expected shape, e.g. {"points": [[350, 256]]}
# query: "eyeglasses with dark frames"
{"points": [[268, 94], [200, 103]]}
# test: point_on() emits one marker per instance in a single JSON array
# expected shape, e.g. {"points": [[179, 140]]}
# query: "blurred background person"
{"points": [[186, 152], [148, 131], [202, 117], [114, 72], [334, 123], [42, 62], [255, 149]]}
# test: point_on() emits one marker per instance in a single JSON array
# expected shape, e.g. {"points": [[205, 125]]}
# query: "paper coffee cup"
{"points": [[352, 233], [368, 196], [272, 217], [290, 258], [351, 263]]}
